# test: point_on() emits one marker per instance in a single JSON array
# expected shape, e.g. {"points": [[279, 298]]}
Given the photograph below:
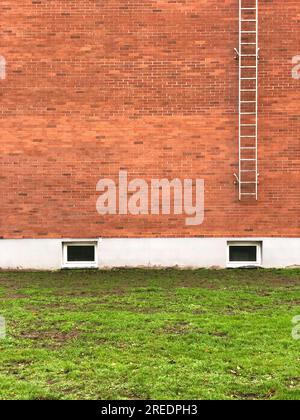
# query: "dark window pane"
{"points": [[81, 253], [243, 253]]}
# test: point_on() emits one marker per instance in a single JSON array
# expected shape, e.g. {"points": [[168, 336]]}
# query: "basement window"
{"points": [[244, 254], [80, 255]]}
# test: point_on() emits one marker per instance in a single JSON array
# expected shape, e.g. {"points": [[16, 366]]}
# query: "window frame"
{"points": [[79, 264], [239, 264]]}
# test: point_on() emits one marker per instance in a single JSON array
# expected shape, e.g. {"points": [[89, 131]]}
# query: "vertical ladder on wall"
{"points": [[248, 56]]}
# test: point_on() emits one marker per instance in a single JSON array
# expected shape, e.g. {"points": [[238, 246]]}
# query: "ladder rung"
{"points": [[248, 55], [248, 90], [248, 32], [248, 160], [248, 102], [248, 113], [252, 137], [248, 20], [248, 170], [248, 8], [248, 43], [248, 182], [248, 67], [248, 78], [248, 193]]}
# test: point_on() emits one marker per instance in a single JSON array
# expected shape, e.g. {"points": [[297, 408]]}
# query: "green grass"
{"points": [[137, 334]]}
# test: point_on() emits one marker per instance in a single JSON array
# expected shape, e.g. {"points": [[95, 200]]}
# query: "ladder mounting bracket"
{"points": [[258, 53], [237, 181]]}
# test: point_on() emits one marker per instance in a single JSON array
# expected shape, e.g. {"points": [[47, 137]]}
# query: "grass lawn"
{"points": [[138, 334]]}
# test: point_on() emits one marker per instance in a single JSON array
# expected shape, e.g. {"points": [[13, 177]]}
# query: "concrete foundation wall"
{"points": [[46, 254]]}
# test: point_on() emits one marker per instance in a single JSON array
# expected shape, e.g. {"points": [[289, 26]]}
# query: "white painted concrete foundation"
{"points": [[46, 254]]}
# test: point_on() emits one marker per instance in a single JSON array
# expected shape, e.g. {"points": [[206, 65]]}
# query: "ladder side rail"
{"points": [[240, 97], [257, 75]]}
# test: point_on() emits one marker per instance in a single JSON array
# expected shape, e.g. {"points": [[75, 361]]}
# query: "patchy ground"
{"points": [[135, 334]]}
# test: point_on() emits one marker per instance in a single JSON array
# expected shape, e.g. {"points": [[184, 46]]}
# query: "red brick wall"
{"points": [[149, 86]]}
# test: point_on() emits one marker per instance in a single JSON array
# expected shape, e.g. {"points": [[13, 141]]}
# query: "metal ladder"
{"points": [[248, 57]]}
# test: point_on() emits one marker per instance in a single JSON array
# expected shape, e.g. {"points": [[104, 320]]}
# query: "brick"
{"points": [[147, 86]]}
